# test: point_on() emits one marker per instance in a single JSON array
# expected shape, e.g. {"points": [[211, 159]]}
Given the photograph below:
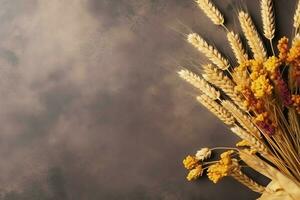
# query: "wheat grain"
{"points": [[267, 15], [219, 79], [199, 83], [238, 175], [252, 36], [211, 11], [297, 16], [237, 47], [216, 109], [209, 51], [241, 118], [255, 143]]}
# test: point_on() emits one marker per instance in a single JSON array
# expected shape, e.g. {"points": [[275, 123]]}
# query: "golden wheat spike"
{"points": [[209, 51], [238, 175], [237, 47], [267, 15], [243, 119], [255, 143], [252, 36], [219, 79], [199, 83], [216, 109], [297, 16], [211, 11]]}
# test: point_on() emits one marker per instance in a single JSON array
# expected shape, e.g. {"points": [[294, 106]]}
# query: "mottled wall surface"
{"points": [[91, 107]]}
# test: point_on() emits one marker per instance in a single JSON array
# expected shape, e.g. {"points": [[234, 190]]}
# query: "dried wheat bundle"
{"points": [[259, 101]]}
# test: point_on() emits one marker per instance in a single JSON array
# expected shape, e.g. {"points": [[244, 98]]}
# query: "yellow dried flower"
{"points": [[203, 154], [272, 64], [243, 143], [190, 162], [283, 47], [195, 173], [261, 86], [221, 169]]}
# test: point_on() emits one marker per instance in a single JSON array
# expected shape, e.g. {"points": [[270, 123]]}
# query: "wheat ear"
{"points": [[267, 15], [255, 143], [241, 118], [237, 47], [216, 109], [209, 51], [219, 79], [297, 16], [252, 36], [199, 83], [238, 175], [211, 11]]}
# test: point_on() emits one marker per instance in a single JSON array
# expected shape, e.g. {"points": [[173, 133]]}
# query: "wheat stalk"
{"points": [[211, 11], [199, 83], [241, 118], [252, 36], [238, 175], [297, 16], [219, 79], [267, 15], [209, 51], [237, 47], [253, 141], [216, 109]]}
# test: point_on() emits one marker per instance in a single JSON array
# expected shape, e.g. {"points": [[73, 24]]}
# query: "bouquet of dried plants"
{"points": [[258, 100]]}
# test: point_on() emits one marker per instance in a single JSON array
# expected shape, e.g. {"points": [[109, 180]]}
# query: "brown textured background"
{"points": [[91, 107]]}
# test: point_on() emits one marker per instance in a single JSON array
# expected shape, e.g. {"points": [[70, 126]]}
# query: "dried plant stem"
{"points": [[199, 83], [211, 11], [252, 36], [267, 15], [237, 47], [238, 175], [209, 51], [216, 109]]}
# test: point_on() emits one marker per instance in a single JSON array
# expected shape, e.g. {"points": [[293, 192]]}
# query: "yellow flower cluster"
{"points": [[192, 163], [195, 173], [261, 86], [283, 48], [296, 102], [222, 168], [272, 64]]}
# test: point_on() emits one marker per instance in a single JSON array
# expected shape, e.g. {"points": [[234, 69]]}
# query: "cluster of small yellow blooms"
{"points": [[294, 59], [261, 86], [283, 47], [271, 65], [195, 173], [296, 102], [222, 168], [192, 163]]}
